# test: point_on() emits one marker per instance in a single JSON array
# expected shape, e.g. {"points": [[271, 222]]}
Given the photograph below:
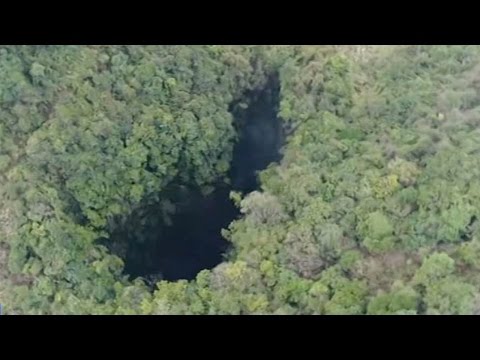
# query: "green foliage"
{"points": [[434, 268], [401, 301], [374, 208], [348, 299], [377, 232], [450, 296]]}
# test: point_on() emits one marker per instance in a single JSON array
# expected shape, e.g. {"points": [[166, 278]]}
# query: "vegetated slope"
{"points": [[373, 210], [90, 134]]}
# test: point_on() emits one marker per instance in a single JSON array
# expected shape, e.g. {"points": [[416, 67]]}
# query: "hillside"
{"points": [[240, 179]]}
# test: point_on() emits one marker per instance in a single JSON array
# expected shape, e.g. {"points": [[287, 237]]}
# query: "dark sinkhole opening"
{"points": [[155, 245]]}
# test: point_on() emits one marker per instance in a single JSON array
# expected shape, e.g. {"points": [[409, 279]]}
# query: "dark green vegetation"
{"points": [[373, 209], [190, 240]]}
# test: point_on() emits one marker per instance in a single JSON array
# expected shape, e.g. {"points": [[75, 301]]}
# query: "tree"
{"points": [[373, 208], [402, 300], [378, 232]]}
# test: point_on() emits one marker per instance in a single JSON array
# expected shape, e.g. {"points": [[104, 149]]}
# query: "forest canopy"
{"points": [[372, 205]]}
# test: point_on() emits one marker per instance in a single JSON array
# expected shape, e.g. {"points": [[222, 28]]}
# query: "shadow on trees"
{"points": [[155, 246]]}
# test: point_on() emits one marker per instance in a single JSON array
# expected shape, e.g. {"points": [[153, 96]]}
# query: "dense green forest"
{"points": [[115, 159]]}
